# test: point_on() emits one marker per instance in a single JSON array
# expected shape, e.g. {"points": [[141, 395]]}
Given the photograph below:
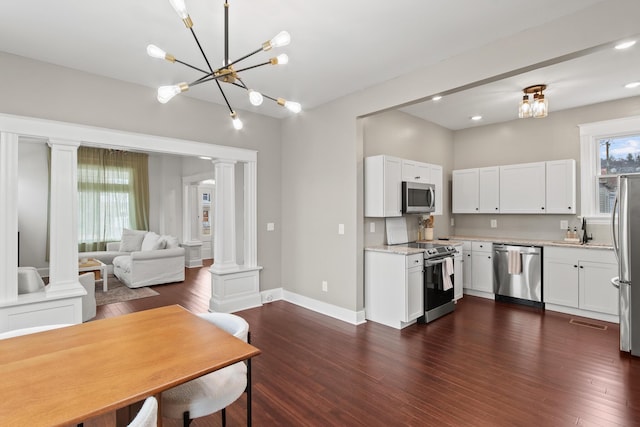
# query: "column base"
{"points": [[235, 290]]}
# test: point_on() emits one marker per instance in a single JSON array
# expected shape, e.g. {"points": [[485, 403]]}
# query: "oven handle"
{"points": [[432, 262]]}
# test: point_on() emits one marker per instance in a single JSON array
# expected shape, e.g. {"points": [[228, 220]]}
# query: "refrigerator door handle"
{"points": [[613, 229], [615, 282]]}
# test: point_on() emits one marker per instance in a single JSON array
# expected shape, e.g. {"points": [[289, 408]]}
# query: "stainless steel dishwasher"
{"points": [[518, 274]]}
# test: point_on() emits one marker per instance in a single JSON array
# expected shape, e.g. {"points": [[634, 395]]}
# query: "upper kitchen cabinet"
{"points": [[416, 171], [382, 186], [465, 191], [476, 190], [561, 187], [383, 176], [522, 188]]}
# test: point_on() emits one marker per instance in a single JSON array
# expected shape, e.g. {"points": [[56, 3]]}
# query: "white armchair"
{"points": [[88, 281]]}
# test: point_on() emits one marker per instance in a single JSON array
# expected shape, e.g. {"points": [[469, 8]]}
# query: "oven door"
{"points": [[437, 289]]}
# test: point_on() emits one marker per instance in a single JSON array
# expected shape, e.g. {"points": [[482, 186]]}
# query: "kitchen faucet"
{"points": [[585, 235]]}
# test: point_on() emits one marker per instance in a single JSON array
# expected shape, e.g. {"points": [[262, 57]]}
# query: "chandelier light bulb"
{"points": [[294, 107], [180, 7], [155, 52], [282, 59], [165, 93], [282, 39], [255, 97], [541, 107], [237, 123], [525, 108]]}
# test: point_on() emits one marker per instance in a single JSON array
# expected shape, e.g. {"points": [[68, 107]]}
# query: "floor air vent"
{"points": [[587, 324]]}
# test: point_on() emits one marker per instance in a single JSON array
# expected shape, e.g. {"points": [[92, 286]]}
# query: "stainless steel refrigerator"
{"points": [[625, 224]]}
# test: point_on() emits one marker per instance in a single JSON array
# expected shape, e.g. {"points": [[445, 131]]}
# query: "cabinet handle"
{"points": [[575, 266], [417, 177], [496, 208], [582, 266], [489, 257], [569, 208], [542, 208], [476, 208]]}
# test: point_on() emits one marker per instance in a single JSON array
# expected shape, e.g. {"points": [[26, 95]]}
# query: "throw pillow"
{"points": [[149, 241], [131, 240], [171, 242]]}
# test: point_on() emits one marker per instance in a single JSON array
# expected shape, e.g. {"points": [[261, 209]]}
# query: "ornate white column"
{"points": [[9, 217], [234, 287], [224, 249], [63, 264]]}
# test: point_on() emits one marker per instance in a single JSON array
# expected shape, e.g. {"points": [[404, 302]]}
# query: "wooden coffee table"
{"points": [[98, 267]]}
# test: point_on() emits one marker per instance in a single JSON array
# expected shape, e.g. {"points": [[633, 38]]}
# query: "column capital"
{"points": [[52, 142]]}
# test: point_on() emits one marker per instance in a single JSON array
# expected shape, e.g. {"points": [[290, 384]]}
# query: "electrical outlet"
{"points": [[271, 226], [372, 227], [453, 222], [564, 224], [325, 286], [494, 223]]}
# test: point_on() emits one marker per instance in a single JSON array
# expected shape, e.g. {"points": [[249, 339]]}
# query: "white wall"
{"points": [[323, 148], [36, 89]]}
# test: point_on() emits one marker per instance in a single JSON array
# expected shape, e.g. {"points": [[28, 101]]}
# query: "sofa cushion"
{"points": [[131, 240], [123, 262], [150, 242]]}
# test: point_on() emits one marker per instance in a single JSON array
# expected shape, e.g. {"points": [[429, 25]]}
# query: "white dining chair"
{"points": [[215, 391], [148, 414]]}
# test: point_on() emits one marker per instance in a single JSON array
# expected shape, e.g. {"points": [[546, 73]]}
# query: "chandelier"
{"points": [[228, 73], [540, 106]]}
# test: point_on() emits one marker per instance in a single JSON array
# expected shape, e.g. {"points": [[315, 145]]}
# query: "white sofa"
{"points": [[143, 258]]}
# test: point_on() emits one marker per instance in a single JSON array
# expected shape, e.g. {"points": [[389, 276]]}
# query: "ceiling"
{"points": [[335, 50]]}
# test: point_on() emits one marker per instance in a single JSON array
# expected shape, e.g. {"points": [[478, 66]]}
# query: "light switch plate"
{"points": [[340, 228], [564, 224], [494, 223], [372, 227]]}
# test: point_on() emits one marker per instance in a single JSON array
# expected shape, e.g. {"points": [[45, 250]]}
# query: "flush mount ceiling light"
{"points": [[228, 73], [538, 108]]}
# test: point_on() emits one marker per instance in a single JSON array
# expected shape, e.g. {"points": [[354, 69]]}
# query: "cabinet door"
{"points": [[561, 187], [409, 170], [522, 188], [489, 190], [466, 270], [482, 271], [465, 191], [560, 282], [392, 187], [414, 301], [458, 276], [436, 179], [596, 291]]}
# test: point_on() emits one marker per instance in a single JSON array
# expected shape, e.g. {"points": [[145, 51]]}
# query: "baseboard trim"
{"points": [[349, 316]]}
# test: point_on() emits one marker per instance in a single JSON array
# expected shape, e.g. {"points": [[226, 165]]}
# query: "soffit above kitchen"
{"points": [[335, 49]]}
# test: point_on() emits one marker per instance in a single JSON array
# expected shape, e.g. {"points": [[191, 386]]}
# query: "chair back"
{"points": [[231, 323], [32, 330], [148, 415]]}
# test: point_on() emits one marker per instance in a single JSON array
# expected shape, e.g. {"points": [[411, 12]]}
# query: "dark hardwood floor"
{"points": [[487, 364]]}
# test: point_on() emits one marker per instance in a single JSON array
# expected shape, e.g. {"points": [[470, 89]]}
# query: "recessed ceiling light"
{"points": [[632, 85], [436, 98], [204, 157], [476, 118], [625, 45]]}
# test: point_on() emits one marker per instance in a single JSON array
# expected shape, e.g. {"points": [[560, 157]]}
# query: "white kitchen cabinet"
{"points": [[416, 171], [482, 266], [458, 273], [394, 288], [580, 279], [489, 190], [466, 265], [561, 187], [382, 186], [465, 191], [523, 188]]}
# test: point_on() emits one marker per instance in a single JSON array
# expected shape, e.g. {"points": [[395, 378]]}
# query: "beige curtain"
{"points": [[113, 194]]}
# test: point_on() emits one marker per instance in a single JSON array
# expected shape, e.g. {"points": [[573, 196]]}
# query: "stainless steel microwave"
{"points": [[418, 197]]}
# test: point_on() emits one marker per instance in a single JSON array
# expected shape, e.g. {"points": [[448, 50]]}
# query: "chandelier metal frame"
{"points": [[228, 73]]}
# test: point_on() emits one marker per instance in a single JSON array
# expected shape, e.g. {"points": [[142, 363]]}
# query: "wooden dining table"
{"points": [[69, 375]]}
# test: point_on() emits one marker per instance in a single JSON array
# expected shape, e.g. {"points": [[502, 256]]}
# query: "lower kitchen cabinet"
{"points": [[466, 265], [482, 266], [393, 288], [458, 273], [581, 279]]}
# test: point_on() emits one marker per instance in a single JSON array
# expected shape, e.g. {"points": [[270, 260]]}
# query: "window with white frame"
{"points": [[608, 149]]}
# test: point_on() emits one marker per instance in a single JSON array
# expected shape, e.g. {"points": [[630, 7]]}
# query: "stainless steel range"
{"points": [[438, 280]]}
